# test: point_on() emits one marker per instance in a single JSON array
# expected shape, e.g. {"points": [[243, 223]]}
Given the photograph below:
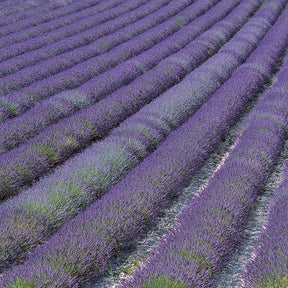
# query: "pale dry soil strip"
{"points": [[130, 259], [231, 275]]}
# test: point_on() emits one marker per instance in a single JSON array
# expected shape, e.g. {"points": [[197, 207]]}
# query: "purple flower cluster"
{"points": [[83, 247], [29, 124], [269, 267]]}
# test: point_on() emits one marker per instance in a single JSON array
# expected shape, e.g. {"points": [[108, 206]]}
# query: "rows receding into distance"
{"points": [[106, 105], [56, 64], [84, 71], [35, 31], [21, 9], [157, 109], [33, 20], [108, 109]]}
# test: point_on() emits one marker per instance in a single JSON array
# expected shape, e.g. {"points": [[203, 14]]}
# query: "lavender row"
{"points": [[92, 34], [269, 266], [32, 122], [111, 223], [7, 3], [63, 199], [60, 22], [45, 113], [101, 117], [9, 27], [67, 60], [264, 109], [109, 114], [20, 101], [40, 8]]}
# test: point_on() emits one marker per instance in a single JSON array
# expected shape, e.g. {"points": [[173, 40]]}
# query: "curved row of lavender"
{"points": [[76, 17], [56, 144], [18, 22], [111, 223], [201, 74], [29, 124], [20, 101], [64, 61], [268, 268], [207, 231], [59, 142], [78, 20]]}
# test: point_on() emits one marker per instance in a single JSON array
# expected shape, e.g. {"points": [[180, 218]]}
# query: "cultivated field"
{"points": [[143, 143]]}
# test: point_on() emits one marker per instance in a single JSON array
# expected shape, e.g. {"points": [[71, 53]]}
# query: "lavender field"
{"points": [[143, 143]]}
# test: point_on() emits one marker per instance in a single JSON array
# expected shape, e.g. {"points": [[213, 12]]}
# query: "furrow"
{"points": [[206, 233], [231, 275]]}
